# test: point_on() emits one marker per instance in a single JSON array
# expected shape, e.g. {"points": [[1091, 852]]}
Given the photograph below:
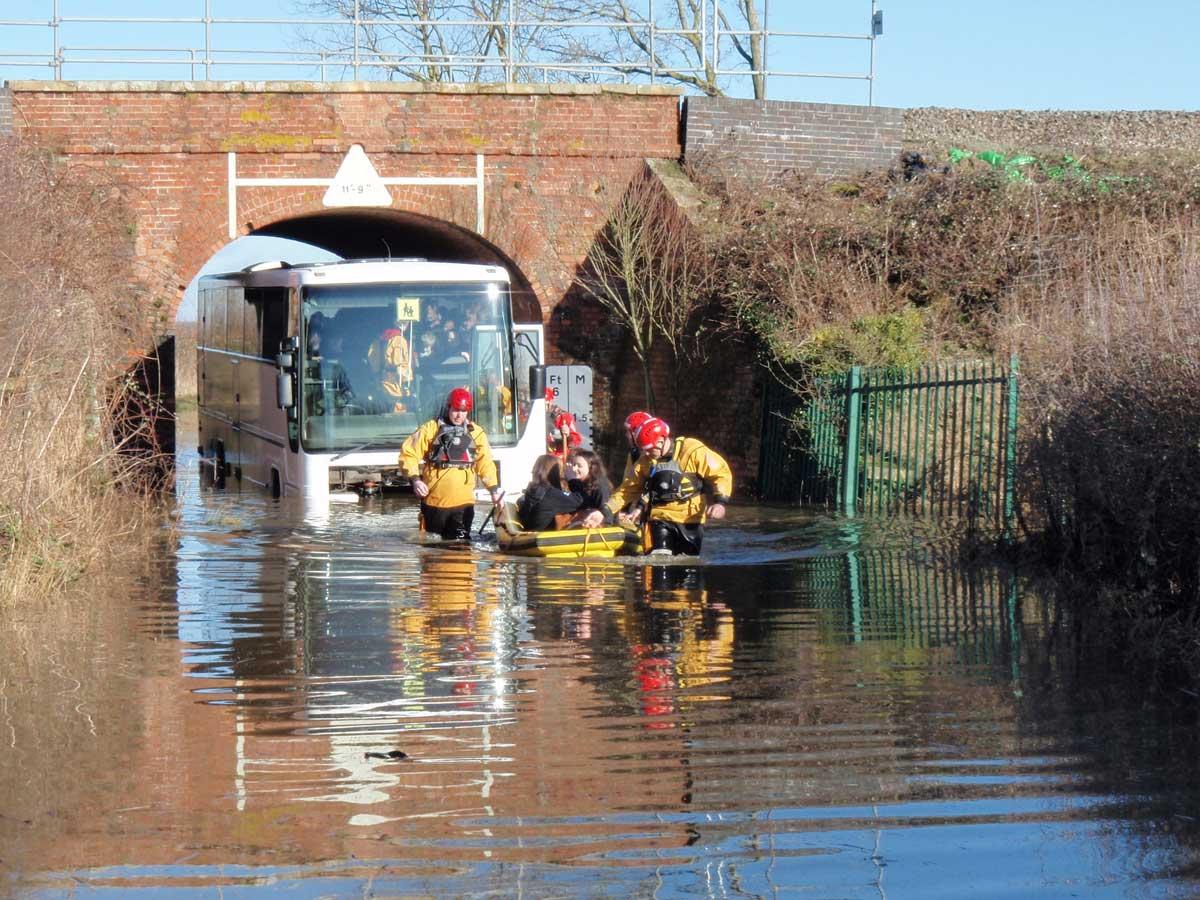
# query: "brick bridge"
{"points": [[554, 161]]}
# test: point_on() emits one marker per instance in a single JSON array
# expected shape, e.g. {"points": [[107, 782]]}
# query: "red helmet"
{"points": [[636, 420], [651, 432], [460, 398]]}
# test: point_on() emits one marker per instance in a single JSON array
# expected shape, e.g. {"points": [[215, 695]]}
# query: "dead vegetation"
{"points": [[653, 273], [70, 439], [1092, 278]]}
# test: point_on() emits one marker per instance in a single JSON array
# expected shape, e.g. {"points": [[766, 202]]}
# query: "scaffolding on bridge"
{"points": [[719, 47]]}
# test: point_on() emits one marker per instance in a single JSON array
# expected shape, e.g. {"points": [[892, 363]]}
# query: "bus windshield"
{"points": [[379, 359]]}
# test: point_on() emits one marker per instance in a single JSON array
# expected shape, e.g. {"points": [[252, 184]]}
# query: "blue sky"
{"points": [[1041, 55], [1017, 54]]}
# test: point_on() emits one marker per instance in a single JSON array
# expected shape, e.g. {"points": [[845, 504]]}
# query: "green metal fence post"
{"points": [[850, 452], [854, 581], [1010, 451]]}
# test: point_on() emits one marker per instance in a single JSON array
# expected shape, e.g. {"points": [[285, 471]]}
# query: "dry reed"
{"points": [[68, 321], [1093, 281]]}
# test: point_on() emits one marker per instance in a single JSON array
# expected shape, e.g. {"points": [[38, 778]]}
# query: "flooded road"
{"points": [[330, 708]]}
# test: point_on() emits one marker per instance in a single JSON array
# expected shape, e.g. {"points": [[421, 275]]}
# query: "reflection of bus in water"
{"points": [[311, 376]]}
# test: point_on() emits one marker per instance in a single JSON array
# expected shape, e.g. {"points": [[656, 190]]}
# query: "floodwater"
{"points": [[812, 709]]}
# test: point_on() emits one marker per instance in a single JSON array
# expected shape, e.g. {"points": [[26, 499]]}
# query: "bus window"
{"points": [[202, 313], [234, 320], [527, 349], [215, 331], [252, 322], [379, 359], [271, 312], [491, 382]]}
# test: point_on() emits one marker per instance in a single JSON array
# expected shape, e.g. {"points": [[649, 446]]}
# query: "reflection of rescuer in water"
{"points": [[442, 458], [675, 485]]}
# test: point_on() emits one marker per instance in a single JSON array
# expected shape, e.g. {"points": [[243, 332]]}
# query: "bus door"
{"points": [[528, 350]]}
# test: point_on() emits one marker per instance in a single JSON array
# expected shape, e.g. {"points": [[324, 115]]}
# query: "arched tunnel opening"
{"points": [[351, 233], [360, 233]]}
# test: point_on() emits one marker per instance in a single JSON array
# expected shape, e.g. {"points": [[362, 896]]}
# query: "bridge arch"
{"points": [[374, 233]]}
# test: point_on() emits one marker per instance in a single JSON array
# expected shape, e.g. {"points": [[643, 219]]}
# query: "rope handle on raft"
{"points": [[587, 537]]}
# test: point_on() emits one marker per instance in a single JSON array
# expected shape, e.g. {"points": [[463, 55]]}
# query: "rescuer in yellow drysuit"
{"points": [[443, 458], [675, 486]]}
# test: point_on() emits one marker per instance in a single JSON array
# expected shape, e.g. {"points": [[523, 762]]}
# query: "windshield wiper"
{"points": [[373, 444]]}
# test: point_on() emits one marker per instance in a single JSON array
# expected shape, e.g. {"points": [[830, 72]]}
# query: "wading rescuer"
{"points": [[633, 422], [443, 458], [676, 484]]}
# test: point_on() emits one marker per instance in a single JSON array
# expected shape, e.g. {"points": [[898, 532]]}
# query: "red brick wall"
{"points": [[556, 162], [555, 158]]}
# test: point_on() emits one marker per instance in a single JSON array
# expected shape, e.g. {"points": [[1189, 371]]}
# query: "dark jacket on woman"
{"points": [[541, 503], [595, 497]]}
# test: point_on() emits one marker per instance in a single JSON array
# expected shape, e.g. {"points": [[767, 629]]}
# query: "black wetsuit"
{"points": [[595, 497], [541, 503]]}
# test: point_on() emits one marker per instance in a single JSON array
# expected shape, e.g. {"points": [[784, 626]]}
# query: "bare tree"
{"points": [[436, 41], [547, 40], [651, 271], [676, 43]]}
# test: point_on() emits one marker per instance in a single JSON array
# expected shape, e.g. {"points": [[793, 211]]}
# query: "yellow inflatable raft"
{"points": [[572, 543]]}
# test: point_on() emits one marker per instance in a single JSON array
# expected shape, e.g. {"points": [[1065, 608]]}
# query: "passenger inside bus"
{"points": [[430, 333], [330, 387], [392, 358]]}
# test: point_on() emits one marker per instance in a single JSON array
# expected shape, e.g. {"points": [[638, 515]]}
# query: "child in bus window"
{"points": [[450, 338], [429, 333]]}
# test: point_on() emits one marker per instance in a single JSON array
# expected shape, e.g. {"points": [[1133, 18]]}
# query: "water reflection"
{"points": [[807, 708]]}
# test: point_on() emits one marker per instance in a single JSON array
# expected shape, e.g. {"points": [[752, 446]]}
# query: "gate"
{"points": [[933, 440]]}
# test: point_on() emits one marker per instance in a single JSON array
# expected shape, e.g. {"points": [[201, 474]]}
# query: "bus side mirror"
{"points": [[537, 382], [283, 389]]}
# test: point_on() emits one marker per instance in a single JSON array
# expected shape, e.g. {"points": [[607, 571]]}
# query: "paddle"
{"points": [[491, 514]]}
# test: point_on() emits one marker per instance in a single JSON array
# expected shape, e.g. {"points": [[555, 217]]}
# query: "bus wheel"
{"points": [[276, 488]]}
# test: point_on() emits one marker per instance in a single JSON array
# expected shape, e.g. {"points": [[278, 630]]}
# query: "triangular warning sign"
{"points": [[357, 183]]}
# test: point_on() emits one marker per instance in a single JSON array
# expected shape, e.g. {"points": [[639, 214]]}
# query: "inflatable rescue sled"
{"points": [[571, 543]]}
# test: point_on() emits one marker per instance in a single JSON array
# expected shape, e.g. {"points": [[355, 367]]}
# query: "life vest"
{"points": [[668, 483], [452, 446], [390, 358]]}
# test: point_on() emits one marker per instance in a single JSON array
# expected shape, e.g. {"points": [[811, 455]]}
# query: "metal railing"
{"points": [[918, 599], [934, 440], [701, 53]]}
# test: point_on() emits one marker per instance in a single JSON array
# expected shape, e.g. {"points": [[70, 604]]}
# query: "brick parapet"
{"points": [[595, 124], [344, 87], [767, 137], [6, 111]]}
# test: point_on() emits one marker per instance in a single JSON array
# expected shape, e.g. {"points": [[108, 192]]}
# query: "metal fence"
{"points": [[934, 440], [875, 595], [526, 41]]}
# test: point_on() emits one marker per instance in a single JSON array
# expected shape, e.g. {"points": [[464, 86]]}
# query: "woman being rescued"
{"points": [[550, 503], [443, 458]]}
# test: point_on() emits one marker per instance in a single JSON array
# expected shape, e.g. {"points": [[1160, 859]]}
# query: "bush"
{"points": [[68, 321], [1092, 279]]}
